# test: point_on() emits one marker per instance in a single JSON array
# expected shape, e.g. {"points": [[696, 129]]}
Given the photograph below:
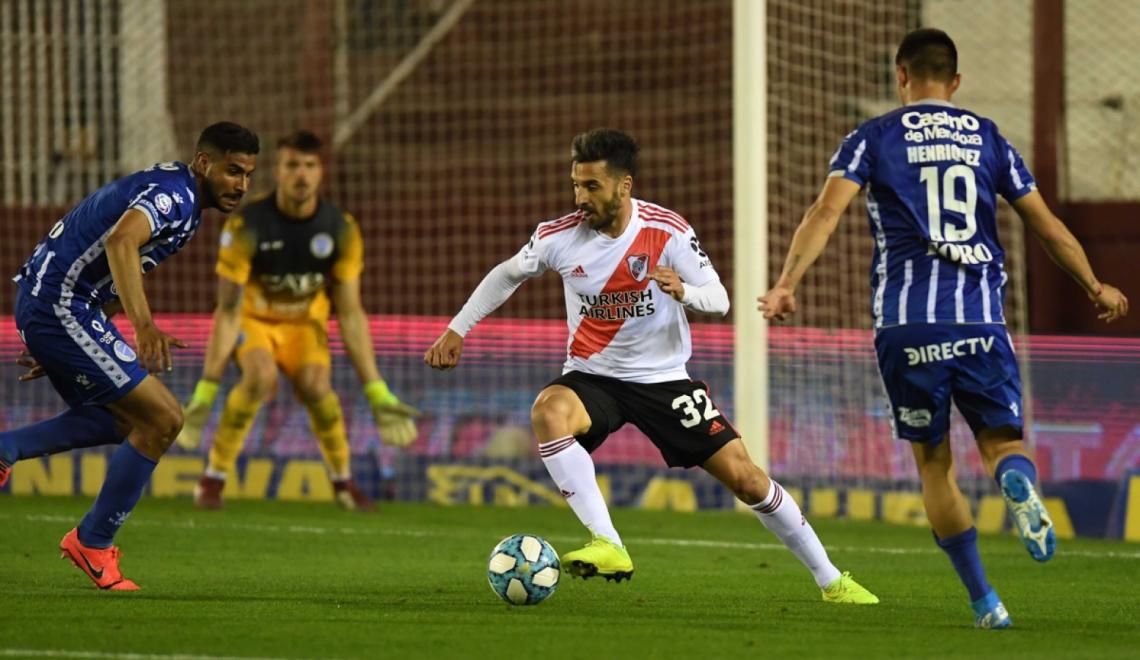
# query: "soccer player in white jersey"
{"points": [[934, 172], [89, 267], [630, 269]]}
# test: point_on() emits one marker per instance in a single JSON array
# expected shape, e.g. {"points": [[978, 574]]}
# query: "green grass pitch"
{"points": [[280, 580]]}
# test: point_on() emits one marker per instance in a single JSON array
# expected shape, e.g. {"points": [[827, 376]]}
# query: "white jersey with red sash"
{"points": [[621, 324]]}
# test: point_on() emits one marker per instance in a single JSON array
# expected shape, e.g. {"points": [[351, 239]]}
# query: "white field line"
{"points": [[680, 542], [99, 655]]}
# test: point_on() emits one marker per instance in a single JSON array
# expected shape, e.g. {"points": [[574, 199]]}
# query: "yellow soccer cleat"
{"points": [[844, 589], [599, 557]]}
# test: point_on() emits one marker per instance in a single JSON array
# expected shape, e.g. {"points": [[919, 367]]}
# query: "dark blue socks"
{"points": [[1016, 462], [127, 475], [86, 426], [963, 552]]}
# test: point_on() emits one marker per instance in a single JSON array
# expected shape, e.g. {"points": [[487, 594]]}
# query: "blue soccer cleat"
{"points": [[1029, 516], [990, 612]]}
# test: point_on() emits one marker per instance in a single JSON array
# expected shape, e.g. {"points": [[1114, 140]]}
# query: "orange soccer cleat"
{"points": [[99, 564], [349, 497], [5, 472]]}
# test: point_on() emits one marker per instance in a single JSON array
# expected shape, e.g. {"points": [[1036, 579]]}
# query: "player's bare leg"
{"points": [[946, 507], [557, 416], [258, 384], [1007, 461], [954, 531], [154, 418], [312, 383], [780, 514]]}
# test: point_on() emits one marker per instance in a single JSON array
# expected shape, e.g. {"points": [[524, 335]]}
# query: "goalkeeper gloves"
{"points": [[393, 417], [196, 413]]}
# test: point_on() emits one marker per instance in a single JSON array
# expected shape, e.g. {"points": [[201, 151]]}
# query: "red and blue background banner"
{"points": [[829, 435]]}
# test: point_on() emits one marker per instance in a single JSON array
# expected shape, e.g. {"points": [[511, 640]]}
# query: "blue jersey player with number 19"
{"points": [[933, 173], [89, 267]]}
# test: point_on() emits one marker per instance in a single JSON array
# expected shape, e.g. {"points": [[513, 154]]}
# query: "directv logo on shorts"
{"points": [[947, 350]]}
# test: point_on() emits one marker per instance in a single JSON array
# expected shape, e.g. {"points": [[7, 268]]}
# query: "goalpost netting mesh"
{"points": [[447, 125]]}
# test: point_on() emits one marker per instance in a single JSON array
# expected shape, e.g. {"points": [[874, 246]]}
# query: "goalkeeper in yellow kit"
{"points": [[282, 260]]}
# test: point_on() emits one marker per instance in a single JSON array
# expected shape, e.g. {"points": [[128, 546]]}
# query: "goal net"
{"points": [[447, 125]]}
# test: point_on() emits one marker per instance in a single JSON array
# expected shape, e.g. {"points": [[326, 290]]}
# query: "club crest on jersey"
{"points": [[124, 352], [638, 266], [163, 202], [321, 246]]}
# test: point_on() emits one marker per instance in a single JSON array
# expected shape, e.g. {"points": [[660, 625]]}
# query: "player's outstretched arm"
{"points": [[811, 237], [224, 333], [354, 329], [445, 351], [393, 417], [493, 291], [1066, 251], [122, 244]]}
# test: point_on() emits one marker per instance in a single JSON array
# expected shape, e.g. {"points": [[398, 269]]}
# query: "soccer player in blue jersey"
{"points": [[933, 173], [89, 267]]}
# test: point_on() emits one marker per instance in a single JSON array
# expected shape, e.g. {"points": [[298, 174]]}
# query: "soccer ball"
{"points": [[523, 569]]}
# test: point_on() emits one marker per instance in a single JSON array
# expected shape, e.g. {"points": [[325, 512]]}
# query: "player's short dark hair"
{"points": [[227, 137], [301, 140], [928, 54], [616, 148]]}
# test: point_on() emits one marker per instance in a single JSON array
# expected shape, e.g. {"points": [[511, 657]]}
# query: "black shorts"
{"points": [[679, 416]]}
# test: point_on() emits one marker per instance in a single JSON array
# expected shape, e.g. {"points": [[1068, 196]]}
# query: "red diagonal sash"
{"points": [[593, 335]]}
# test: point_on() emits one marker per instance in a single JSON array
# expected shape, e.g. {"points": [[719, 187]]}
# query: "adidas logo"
{"points": [[578, 272], [567, 493], [715, 427]]}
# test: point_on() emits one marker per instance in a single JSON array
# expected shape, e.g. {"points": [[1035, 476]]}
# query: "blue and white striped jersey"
{"points": [[933, 173], [69, 267]]}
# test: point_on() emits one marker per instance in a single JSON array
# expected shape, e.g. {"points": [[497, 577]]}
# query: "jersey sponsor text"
{"points": [[947, 350], [617, 305]]}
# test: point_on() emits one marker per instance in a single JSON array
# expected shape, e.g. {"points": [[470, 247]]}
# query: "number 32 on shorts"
{"points": [[690, 408]]}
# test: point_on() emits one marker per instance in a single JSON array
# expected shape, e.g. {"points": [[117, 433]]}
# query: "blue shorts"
{"points": [[924, 366], [84, 355]]}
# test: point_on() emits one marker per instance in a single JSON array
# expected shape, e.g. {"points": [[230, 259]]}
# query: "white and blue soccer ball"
{"points": [[523, 569]]}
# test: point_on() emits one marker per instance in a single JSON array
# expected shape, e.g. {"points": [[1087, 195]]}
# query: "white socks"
{"points": [[572, 469], [782, 516]]}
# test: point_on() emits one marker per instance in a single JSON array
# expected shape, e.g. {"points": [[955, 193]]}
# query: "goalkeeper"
{"points": [[281, 261]]}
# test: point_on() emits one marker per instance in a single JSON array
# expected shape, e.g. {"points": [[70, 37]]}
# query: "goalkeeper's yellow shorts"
{"points": [[292, 343]]}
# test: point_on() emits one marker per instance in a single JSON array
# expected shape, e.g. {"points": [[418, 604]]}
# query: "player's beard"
{"points": [[605, 216], [214, 200]]}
